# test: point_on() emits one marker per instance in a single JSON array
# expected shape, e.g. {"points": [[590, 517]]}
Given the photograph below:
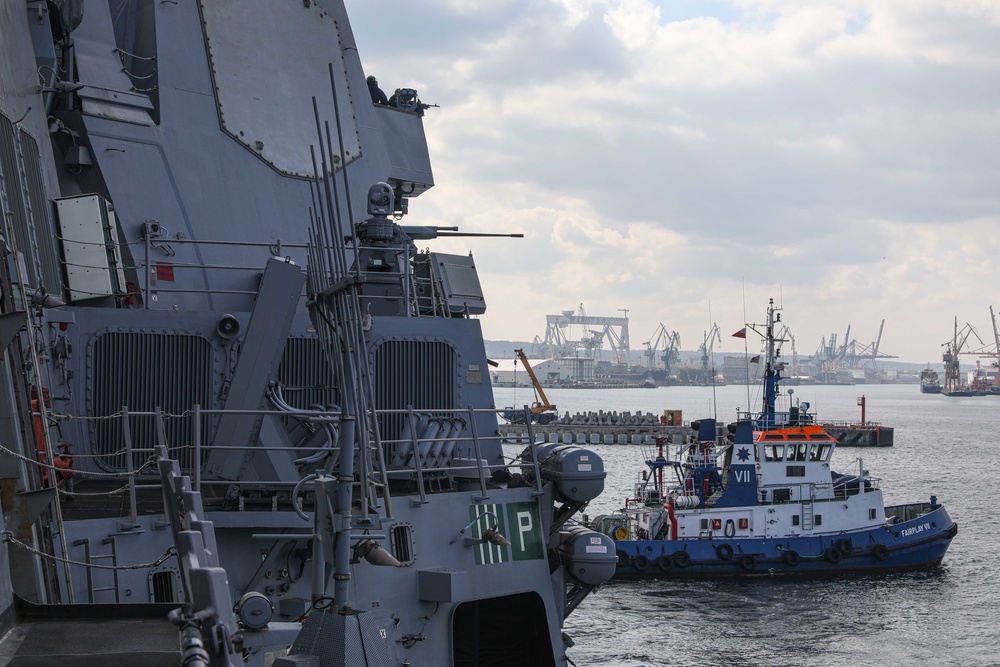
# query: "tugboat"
{"points": [[245, 421], [763, 500]]}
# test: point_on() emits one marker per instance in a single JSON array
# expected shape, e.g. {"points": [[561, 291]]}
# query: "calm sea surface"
{"points": [[947, 616]]}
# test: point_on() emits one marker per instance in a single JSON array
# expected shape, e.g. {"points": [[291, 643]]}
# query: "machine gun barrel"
{"points": [[506, 236], [424, 233]]}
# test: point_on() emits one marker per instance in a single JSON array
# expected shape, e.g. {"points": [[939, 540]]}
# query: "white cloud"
{"points": [[659, 162]]}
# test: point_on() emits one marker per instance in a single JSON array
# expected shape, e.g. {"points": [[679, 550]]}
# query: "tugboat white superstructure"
{"points": [[764, 500]]}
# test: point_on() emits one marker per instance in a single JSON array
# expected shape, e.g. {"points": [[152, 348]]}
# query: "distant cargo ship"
{"points": [[930, 382]]}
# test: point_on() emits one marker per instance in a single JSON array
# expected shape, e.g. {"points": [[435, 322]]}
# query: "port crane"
{"points": [[991, 351], [542, 411], [952, 365], [706, 350], [669, 341], [851, 354], [786, 334]]}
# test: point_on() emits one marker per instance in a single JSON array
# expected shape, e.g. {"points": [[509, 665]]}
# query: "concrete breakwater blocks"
{"points": [[846, 436], [600, 435]]}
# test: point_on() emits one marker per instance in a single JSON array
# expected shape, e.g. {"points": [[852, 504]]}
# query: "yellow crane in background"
{"points": [[542, 411]]}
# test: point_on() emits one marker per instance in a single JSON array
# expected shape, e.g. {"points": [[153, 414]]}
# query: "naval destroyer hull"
{"points": [[231, 385]]}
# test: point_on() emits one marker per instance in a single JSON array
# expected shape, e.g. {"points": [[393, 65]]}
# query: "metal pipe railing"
{"points": [[419, 466]]}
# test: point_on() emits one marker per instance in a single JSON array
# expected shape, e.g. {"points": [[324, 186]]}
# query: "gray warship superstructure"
{"points": [[234, 393]]}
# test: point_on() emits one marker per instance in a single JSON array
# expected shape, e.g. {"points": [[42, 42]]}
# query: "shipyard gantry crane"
{"points": [[558, 343]]}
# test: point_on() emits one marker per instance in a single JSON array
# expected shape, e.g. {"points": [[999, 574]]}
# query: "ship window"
{"points": [[401, 538], [818, 520], [800, 451], [871, 514], [819, 436], [773, 436], [774, 452], [704, 524], [820, 453], [795, 519], [795, 471]]}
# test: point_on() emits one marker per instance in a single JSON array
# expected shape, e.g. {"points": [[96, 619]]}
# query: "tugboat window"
{"points": [[795, 519], [822, 452], [818, 520], [774, 452]]}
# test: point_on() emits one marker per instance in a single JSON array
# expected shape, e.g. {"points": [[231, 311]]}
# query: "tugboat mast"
{"points": [[772, 372]]}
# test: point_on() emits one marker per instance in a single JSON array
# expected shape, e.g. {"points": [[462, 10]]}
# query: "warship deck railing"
{"points": [[420, 467], [431, 300]]}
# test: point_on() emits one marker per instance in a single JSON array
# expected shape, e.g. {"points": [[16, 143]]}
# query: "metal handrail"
{"points": [[437, 300], [146, 480]]}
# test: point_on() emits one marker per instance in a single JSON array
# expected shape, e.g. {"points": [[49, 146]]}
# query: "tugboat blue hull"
{"points": [[909, 545]]}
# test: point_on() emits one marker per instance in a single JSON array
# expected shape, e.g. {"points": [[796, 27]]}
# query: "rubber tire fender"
{"points": [[880, 552], [724, 552], [681, 559], [834, 555], [640, 563], [664, 563], [623, 558], [844, 545], [748, 562], [790, 557]]}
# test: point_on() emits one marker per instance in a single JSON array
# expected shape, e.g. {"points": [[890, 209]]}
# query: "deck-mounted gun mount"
{"points": [[392, 273]]}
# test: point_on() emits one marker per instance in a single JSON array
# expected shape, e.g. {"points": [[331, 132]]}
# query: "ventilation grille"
{"points": [[144, 372], [306, 375], [418, 373], [163, 585], [401, 541]]}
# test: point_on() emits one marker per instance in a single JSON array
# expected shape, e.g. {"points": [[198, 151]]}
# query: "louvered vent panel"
{"points": [[418, 373], [146, 371], [306, 375]]}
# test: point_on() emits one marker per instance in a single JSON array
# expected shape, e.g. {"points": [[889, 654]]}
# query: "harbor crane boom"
{"points": [[707, 347], [542, 411], [670, 342], [952, 365]]}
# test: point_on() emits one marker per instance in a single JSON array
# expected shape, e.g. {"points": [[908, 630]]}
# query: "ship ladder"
{"points": [[89, 558], [807, 515]]}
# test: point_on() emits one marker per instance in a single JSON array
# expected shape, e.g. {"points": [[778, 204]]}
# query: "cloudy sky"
{"points": [[687, 160]]}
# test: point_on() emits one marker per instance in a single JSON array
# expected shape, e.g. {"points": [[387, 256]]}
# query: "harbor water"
{"points": [[950, 615]]}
